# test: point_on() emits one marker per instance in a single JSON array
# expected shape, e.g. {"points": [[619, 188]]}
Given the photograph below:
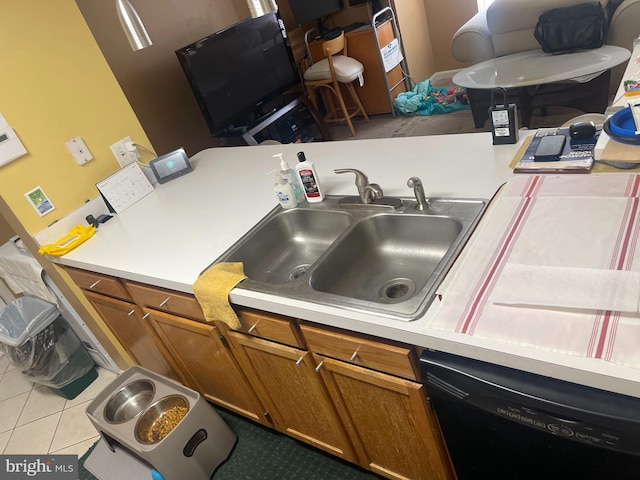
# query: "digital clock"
{"points": [[171, 165]]}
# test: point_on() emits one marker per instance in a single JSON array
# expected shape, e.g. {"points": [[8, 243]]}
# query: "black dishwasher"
{"points": [[504, 424]]}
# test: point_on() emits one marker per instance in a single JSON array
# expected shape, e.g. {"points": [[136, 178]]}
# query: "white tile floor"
{"points": [[35, 420]]}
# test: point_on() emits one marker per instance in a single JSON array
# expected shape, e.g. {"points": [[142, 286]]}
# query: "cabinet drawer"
{"points": [[170, 301], [99, 283], [269, 326], [392, 358]]}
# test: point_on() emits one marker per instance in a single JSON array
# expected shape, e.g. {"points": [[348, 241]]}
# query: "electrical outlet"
{"points": [[125, 155], [79, 150]]}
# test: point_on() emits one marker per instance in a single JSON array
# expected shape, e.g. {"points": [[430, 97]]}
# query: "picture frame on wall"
{"points": [[39, 201]]}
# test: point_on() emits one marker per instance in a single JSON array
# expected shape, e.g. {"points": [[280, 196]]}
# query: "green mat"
{"points": [[264, 454]]}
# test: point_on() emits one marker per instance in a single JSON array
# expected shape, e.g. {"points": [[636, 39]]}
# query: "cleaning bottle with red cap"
{"points": [[309, 179]]}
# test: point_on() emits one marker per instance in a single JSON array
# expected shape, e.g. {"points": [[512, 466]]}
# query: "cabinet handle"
{"points": [[319, 366], [94, 284], [144, 317], [131, 312], [354, 356], [251, 329], [299, 361], [164, 302]]}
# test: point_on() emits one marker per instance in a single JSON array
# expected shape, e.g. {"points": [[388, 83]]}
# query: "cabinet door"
{"points": [[285, 378], [201, 353], [393, 427], [133, 332]]}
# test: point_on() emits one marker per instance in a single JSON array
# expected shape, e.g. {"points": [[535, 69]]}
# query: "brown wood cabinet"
{"points": [[269, 326], [203, 357], [390, 423], [98, 283], [387, 417], [166, 300], [133, 332], [354, 396], [295, 395], [390, 357]]}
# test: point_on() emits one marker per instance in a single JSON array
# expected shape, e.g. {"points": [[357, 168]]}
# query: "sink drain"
{"points": [[297, 272], [397, 290]]}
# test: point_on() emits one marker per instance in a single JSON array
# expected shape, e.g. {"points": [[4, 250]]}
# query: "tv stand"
{"points": [[293, 122]]}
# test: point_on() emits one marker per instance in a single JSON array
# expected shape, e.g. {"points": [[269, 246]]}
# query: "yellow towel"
{"points": [[212, 292]]}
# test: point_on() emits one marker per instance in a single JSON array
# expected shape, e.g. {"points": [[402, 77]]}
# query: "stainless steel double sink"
{"points": [[374, 258]]}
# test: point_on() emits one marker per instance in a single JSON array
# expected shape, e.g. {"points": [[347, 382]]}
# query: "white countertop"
{"points": [[173, 234]]}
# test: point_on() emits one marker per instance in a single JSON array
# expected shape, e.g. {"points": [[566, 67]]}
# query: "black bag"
{"points": [[566, 29]]}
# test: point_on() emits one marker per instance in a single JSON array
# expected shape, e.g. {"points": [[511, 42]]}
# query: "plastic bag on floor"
{"points": [[423, 99], [39, 341]]}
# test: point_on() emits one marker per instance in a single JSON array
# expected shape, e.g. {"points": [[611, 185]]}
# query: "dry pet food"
{"points": [[166, 422]]}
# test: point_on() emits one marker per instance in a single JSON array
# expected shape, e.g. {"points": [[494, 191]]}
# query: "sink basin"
{"points": [[284, 247], [385, 261], [386, 258]]}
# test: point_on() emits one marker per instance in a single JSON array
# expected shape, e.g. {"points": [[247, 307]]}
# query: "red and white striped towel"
{"points": [[566, 223]]}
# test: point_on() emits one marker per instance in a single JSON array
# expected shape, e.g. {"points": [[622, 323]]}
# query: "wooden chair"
{"points": [[328, 74]]}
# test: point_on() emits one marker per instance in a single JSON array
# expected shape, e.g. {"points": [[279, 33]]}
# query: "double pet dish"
{"points": [[163, 423]]}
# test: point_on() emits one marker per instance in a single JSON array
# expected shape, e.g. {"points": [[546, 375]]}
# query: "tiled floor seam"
{"points": [[55, 430]]}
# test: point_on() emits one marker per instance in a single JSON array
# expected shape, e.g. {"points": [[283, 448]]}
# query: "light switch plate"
{"points": [[79, 150]]}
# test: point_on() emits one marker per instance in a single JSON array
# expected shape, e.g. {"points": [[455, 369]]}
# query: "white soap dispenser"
{"points": [[290, 176], [284, 192], [309, 179]]}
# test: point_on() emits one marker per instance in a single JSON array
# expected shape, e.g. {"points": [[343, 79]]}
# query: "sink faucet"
{"points": [[368, 191], [418, 191]]}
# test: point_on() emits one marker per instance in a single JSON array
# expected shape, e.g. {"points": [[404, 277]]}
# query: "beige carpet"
{"points": [[387, 126]]}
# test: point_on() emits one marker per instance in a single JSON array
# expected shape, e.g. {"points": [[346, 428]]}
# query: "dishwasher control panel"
{"points": [[580, 431]]}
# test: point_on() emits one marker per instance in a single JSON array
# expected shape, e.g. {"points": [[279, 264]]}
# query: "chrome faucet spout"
{"points": [[418, 191], [371, 192]]}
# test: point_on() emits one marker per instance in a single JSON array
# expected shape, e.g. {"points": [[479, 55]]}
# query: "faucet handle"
{"points": [[361, 179], [368, 192]]}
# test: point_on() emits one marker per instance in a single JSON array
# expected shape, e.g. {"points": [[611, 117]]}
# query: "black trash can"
{"points": [[38, 340]]}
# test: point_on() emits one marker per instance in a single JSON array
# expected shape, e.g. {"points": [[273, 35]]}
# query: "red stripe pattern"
{"points": [[605, 323]]}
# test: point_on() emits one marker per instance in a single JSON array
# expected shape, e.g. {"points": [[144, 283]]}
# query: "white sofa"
{"points": [[507, 26]]}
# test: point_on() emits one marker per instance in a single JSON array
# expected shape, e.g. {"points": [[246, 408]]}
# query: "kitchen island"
{"points": [[170, 236]]}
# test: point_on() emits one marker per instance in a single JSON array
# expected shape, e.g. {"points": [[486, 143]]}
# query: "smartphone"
{"points": [[549, 148]]}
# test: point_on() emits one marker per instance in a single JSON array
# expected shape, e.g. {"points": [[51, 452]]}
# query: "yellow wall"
{"points": [[57, 85]]}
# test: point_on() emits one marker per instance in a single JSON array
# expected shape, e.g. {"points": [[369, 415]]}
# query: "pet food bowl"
{"points": [[130, 416], [129, 401], [161, 418]]}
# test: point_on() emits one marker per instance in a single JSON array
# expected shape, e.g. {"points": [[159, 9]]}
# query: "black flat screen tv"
{"points": [[235, 71], [307, 11], [376, 5]]}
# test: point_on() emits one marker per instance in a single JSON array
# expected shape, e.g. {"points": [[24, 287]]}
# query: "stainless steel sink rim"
{"points": [[298, 285]]}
